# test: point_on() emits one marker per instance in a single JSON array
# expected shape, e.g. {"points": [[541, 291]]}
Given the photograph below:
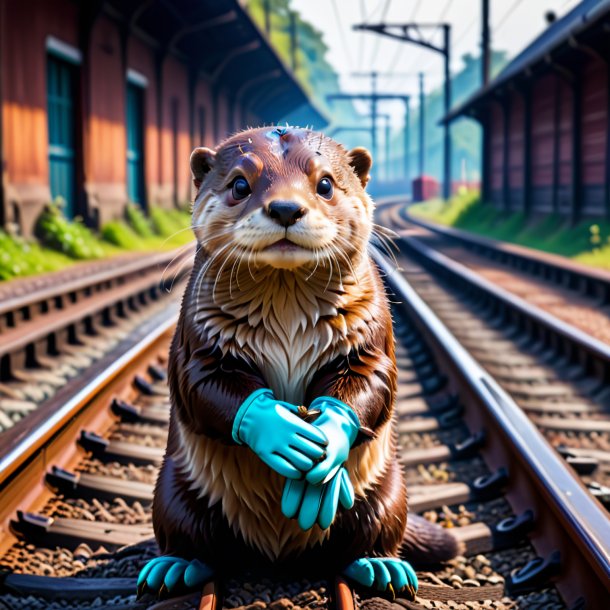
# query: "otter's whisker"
{"points": [[205, 268], [330, 271], [317, 255], [219, 274], [238, 258], [345, 257], [189, 228], [250, 270], [177, 272], [180, 252]]}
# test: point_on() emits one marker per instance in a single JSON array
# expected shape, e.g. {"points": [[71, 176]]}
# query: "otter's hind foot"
{"points": [[164, 575], [384, 573]]}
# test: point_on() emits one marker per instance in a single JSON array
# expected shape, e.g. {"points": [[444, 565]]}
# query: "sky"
{"points": [[514, 24]]}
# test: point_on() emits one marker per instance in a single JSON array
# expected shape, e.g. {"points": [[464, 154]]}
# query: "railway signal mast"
{"points": [[413, 33], [374, 98]]}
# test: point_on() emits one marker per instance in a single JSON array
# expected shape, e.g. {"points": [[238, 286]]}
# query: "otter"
{"points": [[282, 445]]}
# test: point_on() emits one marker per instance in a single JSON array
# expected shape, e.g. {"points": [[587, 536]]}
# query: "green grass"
{"points": [[70, 237], [587, 242], [138, 221], [61, 242]]}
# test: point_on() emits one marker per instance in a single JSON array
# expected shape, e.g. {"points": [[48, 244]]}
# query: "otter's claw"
{"points": [[384, 573], [164, 575]]}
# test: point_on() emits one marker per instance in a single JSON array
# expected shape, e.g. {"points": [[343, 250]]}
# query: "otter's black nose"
{"points": [[285, 213]]}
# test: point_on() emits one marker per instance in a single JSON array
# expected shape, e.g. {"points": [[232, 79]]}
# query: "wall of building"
{"points": [[556, 184], [26, 26], [516, 151], [179, 111], [542, 139], [594, 131]]}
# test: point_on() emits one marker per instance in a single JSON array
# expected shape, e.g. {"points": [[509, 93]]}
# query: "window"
{"points": [[61, 110], [135, 143]]}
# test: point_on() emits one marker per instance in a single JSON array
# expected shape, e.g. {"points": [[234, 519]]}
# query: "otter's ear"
{"points": [[202, 161], [360, 159]]}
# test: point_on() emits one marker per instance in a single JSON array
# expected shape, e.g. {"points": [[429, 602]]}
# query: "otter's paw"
{"points": [[164, 575], [383, 573]]}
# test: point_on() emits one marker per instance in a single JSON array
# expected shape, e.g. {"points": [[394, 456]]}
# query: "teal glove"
{"points": [[384, 573], [313, 504], [340, 426], [280, 438]]}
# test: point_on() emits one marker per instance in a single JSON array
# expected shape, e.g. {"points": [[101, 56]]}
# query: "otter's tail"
{"points": [[426, 543]]}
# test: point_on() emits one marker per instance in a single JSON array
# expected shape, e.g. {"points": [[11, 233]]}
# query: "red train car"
{"points": [[103, 101], [545, 121]]}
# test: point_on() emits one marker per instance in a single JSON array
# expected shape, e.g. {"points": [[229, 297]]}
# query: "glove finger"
{"points": [[322, 472], [157, 574], [361, 571], [282, 466], [382, 575], [410, 573], [397, 574], [196, 574], [310, 507], [347, 496], [173, 576], [330, 501], [307, 447], [305, 430], [292, 497], [296, 458], [146, 570]]}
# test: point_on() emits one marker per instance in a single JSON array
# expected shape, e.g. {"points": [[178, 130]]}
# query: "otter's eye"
{"points": [[241, 188], [325, 188]]}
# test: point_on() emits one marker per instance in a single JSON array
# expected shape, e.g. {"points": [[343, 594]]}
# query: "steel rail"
{"points": [[543, 264], [56, 418], [582, 516], [110, 274], [590, 345]]}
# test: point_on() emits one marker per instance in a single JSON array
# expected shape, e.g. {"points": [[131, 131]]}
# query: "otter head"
{"points": [[287, 198]]}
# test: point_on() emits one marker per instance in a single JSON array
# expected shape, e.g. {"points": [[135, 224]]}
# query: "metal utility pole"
{"points": [[447, 190], [386, 141], [267, 9], [293, 41], [414, 33], [380, 97], [422, 125], [485, 44], [374, 113]]}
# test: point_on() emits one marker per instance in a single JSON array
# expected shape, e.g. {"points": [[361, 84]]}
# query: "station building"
{"points": [[103, 100], [545, 121]]}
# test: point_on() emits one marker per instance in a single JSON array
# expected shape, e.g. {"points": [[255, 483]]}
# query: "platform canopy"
{"points": [[555, 48], [220, 40]]}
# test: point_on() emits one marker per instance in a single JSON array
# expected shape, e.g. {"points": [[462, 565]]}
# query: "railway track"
{"points": [[77, 523], [61, 332], [574, 293], [556, 372]]}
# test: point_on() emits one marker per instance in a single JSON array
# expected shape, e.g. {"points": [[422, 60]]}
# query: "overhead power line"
{"points": [[384, 13], [415, 10], [445, 10], [508, 13], [362, 38], [342, 35]]}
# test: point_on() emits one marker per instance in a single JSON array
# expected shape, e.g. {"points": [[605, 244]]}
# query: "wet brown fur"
{"points": [[307, 331]]}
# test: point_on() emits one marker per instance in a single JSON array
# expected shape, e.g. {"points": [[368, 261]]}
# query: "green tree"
{"points": [[315, 74]]}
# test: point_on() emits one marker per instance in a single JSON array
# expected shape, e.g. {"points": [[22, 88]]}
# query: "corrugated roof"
{"points": [[556, 34]]}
